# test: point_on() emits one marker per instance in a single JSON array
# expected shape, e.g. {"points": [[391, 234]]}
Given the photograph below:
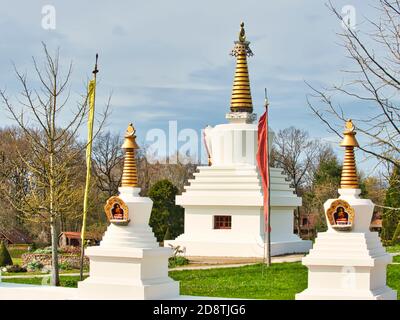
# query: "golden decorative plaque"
{"points": [[117, 211], [340, 215]]}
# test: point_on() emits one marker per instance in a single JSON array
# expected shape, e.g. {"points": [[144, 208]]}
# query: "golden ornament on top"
{"points": [[349, 125], [340, 215], [130, 131], [117, 211], [242, 33], [241, 100]]}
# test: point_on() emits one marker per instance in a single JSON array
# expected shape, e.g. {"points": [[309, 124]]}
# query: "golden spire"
{"points": [[349, 178], [241, 96], [129, 175]]}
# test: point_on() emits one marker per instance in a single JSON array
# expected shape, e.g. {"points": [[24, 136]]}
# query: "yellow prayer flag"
{"points": [[91, 103]]}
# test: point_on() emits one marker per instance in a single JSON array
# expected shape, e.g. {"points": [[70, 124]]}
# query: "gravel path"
{"points": [[212, 263]]}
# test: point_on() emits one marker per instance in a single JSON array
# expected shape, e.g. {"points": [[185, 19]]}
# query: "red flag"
{"points": [[263, 164]]}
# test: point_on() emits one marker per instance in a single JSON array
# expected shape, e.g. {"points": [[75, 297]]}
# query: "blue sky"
{"points": [[169, 60]]}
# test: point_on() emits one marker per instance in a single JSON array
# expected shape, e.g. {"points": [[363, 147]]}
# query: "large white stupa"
{"points": [[224, 202]]}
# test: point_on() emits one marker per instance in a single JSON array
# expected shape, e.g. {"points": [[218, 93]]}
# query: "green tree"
{"points": [[167, 235], [5, 258], [329, 170], [324, 185], [166, 215], [391, 217]]}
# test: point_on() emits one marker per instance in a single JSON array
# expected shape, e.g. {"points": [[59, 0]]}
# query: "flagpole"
{"points": [[269, 185], [91, 102]]}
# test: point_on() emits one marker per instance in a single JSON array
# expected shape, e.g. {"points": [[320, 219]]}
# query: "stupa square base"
{"points": [[344, 294], [146, 290], [236, 249], [14, 291], [346, 266], [18, 291], [128, 273]]}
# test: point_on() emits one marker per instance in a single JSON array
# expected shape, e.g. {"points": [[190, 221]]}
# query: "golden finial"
{"points": [[266, 101], [242, 33], [129, 174], [349, 178], [241, 96]]}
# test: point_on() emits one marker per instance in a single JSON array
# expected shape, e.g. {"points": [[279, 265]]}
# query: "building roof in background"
{"points": [[16, 236], [77, 235], [376, 223]]}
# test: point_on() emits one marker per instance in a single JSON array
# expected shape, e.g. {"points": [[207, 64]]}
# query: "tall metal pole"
{"points": [[269, 184], [88, 174]]}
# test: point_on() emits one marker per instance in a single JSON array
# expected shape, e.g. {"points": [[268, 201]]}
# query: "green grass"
{"points": [[17, 261], [393, 278], [69, 282], [393, 249], [280, 281], [396, 259], [34, 273], [16, 253]]}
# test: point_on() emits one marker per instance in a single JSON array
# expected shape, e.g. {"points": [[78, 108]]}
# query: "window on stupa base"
{"points": [[222, 222]]}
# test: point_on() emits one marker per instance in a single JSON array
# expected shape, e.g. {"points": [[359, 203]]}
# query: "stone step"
{"points": [[231, 186], [236, 178], [210, 171], [236, 188]]}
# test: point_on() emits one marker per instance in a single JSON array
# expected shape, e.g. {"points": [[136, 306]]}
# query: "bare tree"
{"points": [[294, 152], [15, 175], [108, 162], [50, 130], [374, 81], [152, 170]]}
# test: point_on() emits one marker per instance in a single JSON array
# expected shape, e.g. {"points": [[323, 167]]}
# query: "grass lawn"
{"points": [[17, 260], [34, 273], [393, 278], [279, 282], [15, 253], [392, 249], [396, 259], [70, 282]]}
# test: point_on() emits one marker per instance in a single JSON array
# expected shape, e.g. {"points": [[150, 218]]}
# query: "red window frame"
{"points": [[222, 222]]}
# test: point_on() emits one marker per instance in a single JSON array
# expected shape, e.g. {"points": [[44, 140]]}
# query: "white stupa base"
{"points": [[14, 291], [128, 274], [242, 250], [129, 264], [17, 291], [346, 266], [351, 264], [235, 191], [343, 294]]}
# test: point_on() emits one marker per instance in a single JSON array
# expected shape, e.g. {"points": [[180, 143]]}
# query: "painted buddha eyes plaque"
{"points": [[117, 211], [340, 215]]}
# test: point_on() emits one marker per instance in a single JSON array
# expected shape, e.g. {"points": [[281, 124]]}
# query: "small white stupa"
{"points": [[128, 263], [348, 261], [224, 203]]}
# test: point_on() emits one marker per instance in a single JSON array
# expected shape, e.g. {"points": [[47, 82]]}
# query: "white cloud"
{"points": [[170, 59]]}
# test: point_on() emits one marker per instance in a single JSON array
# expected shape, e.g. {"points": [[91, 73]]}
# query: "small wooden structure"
{"points": [[71, 238]]}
